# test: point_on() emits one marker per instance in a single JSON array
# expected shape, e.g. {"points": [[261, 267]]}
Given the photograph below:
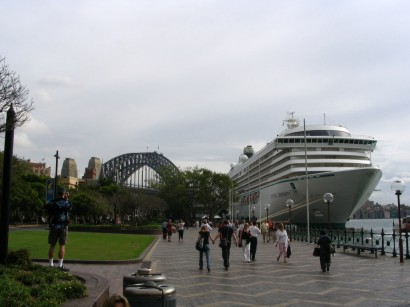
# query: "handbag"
{"points": [[316, 252], [199, 245], [332, 248], [288, 251]]}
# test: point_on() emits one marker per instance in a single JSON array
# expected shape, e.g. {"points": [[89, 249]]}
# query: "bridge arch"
{"points": [[120, 168]]}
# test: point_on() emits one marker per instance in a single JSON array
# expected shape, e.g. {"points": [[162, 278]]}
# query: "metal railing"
{"points": [[387, 242]]}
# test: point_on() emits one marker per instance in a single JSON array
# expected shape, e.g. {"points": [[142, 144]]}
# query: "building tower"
{"points": [[69, 173], [93, 171]]}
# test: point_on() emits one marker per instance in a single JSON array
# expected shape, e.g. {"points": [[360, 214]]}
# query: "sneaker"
{"points": [[63, 268]]}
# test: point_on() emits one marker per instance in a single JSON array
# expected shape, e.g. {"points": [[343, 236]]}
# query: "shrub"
{"points": [[36, 285], [19, 257]]}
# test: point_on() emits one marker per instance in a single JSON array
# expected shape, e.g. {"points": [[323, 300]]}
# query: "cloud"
{"points": [[203, 79]]}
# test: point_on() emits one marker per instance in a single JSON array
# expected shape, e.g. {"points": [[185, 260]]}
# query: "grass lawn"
{"points": [[83, 245]]}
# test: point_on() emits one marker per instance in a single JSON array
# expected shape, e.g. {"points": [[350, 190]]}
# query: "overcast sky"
{"points": [[199, 80]]}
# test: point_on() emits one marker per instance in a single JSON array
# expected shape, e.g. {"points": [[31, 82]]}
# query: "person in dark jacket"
{"points": [[57, 211], [225, 234], [324, 241]]}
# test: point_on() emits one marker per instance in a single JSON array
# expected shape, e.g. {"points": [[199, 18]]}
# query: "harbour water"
{"points": [[373, 224]]}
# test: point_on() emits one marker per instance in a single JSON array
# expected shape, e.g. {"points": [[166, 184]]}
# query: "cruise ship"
{"points": [[301, 164]]}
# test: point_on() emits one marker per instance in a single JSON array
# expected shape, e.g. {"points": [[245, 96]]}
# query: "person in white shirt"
{"points": [[240, 228], [264, 230], [254, 232], [282, 241], [205, 222], [181, 227]]}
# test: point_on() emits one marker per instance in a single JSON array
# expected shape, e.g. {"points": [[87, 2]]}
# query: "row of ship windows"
{"points": [[265, 174], [255, 181], [327, 141], [267, 160]]}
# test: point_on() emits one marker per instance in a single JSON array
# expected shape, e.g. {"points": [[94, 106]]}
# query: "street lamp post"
{"points": [[328, 198], [267, 206], [398, 188], [237, 215], [289, 204]]}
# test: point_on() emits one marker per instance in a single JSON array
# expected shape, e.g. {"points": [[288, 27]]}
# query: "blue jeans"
{"points": [[207, 251]]}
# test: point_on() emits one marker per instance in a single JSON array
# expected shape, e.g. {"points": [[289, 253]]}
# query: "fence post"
{"points": [[394, 243], [383, 252]]}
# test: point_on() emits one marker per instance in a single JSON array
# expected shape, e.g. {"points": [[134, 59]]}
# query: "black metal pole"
{"points": [[55, 176], [400, 239], [290, 224], [328, 217], [5, 204]]}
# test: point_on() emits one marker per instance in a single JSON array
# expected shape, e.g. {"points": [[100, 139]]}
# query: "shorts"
{"points": [[59, 235]]}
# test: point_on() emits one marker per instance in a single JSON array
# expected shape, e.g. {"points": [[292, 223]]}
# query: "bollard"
{"points": [[142, 276], [151, 294]]}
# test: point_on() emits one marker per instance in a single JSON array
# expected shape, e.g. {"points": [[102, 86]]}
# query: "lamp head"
{"points": [[328, 197], [398, 186], [289, 203]]}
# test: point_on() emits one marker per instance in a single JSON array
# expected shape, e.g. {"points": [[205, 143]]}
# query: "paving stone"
{"points": [[352, 280]]}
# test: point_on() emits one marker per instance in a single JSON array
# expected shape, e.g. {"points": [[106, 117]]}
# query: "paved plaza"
{"points": [[352, 280]]}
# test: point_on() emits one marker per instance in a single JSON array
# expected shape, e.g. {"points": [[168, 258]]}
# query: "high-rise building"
{"points": [[93, 171], [69, 173]]}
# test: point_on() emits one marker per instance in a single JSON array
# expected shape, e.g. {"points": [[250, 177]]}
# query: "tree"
{"points": [[27, 193], [195, 191], [13, 92]]}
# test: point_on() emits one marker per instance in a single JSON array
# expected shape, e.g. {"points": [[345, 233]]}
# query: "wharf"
{"points": [[352, 280]]}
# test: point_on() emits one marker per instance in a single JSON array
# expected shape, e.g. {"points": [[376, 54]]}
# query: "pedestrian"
{"points": [[240, 228], [116, 300], [164, 229], [270, 230], [264, 230], [324, 242], [254, 232], [181, 226], [282, 241], [205, 222], [170, 229], [225, 234], [246, 245], [205, 236], [58, 218]]}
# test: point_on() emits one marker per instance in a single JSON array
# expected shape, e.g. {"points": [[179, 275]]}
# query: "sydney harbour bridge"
{"points": [[137, 170]]}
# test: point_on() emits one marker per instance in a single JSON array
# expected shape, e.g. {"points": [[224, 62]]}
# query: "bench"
{"points": [[360, 248]]}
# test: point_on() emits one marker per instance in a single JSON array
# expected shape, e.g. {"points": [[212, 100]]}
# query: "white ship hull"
{"points": [[350, 188]]}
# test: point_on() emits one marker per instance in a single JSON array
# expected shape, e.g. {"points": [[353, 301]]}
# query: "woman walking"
{"points": [[282, 240], [205, 236], [181, 226], [245, 240], [324, 242]]}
